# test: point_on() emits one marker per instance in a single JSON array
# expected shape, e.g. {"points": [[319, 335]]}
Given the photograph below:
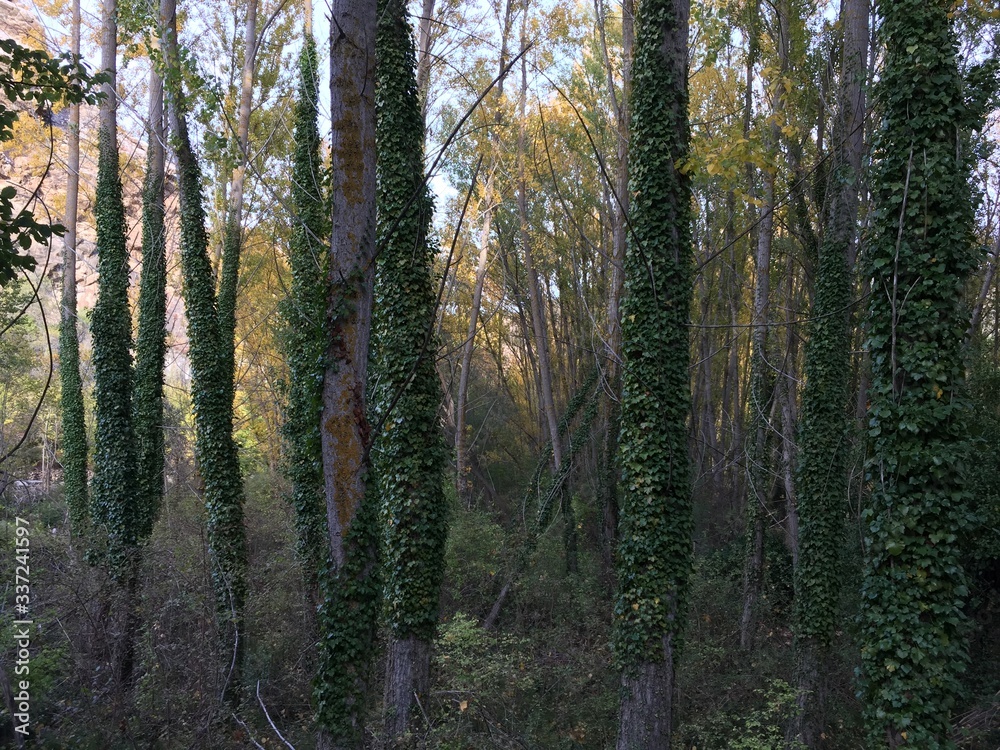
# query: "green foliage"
{"points": [[654, 552], [821, 477], [28, 75], [348, 617], [211, 386], [408, 454], [20, 386], [151, 349], [304, 340], [921, 252], [74, 458], [759, 728], [113, 506]]}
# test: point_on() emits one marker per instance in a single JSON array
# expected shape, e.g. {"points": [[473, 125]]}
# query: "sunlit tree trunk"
{"points": [[489, 198], [74, 460], [232, 240], [350, 607]]}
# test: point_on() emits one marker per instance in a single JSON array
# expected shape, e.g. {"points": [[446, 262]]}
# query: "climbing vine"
{"points": [[211, 385], [408, 454], [921, 253], [74, 426], [654, 550], [151, 341], [113, 507], [305, 344]]}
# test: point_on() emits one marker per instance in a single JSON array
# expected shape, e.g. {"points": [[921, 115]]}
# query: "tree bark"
{"points": [[232, 242], [74, 459], [352, 598], [462, 397], [822, 471]]}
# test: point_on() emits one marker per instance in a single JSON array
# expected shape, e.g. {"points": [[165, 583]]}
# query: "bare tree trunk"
{"points": [[461, 401], [538, 325], [608, 482], [760, 398], [232, 243], [984, 290], [425, 43], [789, 418], [345, 433]]}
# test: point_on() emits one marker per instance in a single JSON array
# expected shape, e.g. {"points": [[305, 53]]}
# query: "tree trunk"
{"points": [[822, 470], [408, 456], [351, 604], [211, 385], [913, 626], [655, 538], [232, 241], [151, 343], [461, 401], [647, 707], [611, 411], [74, 460], [425, 43]]}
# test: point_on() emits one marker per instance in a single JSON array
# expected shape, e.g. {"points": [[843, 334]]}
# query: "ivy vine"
{"points": [[921, 253], [654, 549]]}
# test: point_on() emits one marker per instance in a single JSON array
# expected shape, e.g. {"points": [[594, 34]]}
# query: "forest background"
{"points": [[526, 138]]}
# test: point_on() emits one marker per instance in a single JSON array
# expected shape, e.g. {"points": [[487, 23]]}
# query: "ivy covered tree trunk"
{"points": [[822, 469], [305, 343], [211, 385], [114, 507], [74, 459], [151, 342], [408, 455], [232, 233], [920, 254], [351, 599], [654, 550]]}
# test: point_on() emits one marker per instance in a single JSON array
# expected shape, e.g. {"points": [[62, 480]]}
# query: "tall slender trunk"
{"points": [[351, 606], [408, 459], [822, 469], [538, 325], [760, 407], [656, 513], [232, 241], [761, 393], [984, 290], [305, 315], [74, 459], [114, 507], [211, 388], [611, 409], [151, 342], [425, 43], [462, 397]]}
